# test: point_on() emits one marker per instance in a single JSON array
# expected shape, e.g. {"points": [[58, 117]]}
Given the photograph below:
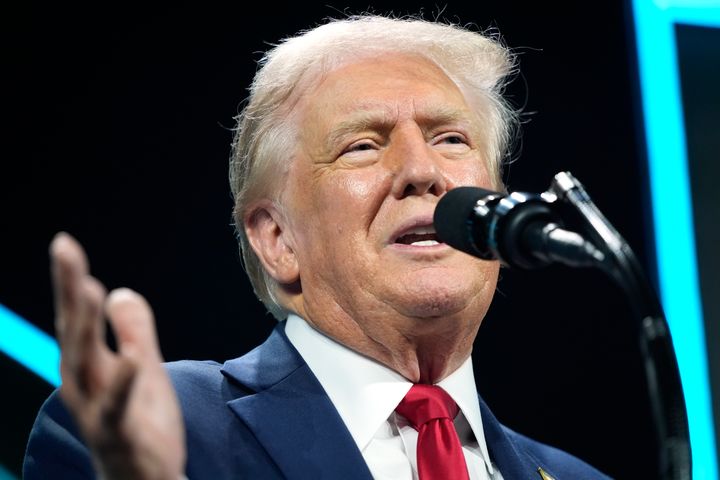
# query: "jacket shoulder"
{"points": [[194, 377], [54, 445]]}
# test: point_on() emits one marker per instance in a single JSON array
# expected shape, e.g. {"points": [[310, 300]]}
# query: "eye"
{"points": [[359, 147], [452, 139], [452, 144], [360, 153]]}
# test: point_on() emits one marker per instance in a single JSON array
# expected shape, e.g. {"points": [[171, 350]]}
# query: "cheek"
{"points": [[350, 199], [357, 186], [472, 173]]}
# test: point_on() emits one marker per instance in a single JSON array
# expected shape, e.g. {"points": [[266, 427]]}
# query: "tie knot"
{"points": [[426, 402]]}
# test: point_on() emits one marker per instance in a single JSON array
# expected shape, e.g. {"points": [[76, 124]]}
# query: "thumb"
{"points": [[133, 322]]}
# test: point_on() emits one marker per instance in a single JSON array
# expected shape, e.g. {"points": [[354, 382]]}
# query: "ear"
{"points": [[265, 229]]}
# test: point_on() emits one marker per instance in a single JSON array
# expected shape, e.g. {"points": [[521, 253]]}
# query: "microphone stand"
{"points": [[661, 371]]}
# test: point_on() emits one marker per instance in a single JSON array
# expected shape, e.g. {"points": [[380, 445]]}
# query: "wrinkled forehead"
{"points": [[317, 75], [387, 86]]}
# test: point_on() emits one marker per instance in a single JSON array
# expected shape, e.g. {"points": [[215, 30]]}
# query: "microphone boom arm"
{"points": [[661, 371]]}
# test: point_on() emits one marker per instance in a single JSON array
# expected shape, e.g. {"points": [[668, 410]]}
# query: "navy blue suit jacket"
{"points": [[265, 415]]}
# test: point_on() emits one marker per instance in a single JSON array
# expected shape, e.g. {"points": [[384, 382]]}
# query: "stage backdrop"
{"points": [[118, 130]]}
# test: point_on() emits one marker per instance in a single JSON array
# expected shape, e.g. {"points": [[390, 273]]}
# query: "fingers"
{"points": [[123, 403], [84, 347], [79, 318], [116, 400], [68, 266], [107, 432], [134, 324]]}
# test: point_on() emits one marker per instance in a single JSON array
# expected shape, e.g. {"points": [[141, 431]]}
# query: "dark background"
{"points": [[117, 129]]}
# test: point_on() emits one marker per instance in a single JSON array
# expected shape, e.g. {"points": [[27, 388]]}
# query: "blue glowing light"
{"points": [[30, 346], [672, 206], [6, 475]]}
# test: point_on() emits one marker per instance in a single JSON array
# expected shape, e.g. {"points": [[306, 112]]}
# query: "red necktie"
{"points": [[430, 411]]}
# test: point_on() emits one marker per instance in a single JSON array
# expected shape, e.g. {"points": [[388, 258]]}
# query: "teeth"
{"points": [[421, 230], [424, 243]]}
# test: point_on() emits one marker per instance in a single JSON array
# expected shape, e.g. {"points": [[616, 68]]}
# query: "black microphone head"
{"points": [[454, 219]]}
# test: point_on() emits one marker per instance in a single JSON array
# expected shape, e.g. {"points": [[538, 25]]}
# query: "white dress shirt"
{"points": [[365, 394]]}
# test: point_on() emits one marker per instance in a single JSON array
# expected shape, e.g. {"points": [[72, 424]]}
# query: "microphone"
{"points": [[522, 230]]}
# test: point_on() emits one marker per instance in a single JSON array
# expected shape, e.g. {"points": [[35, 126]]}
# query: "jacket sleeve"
{"points": [[54, 448]]}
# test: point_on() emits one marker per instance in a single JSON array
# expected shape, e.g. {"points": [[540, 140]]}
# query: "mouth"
{"points": [[421, 236], [417, 233]]}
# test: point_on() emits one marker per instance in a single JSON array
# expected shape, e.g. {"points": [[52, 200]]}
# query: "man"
{"points": [[352, 133]]}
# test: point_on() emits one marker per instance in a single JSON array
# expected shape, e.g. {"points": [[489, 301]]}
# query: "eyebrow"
{"points": [[380, 120], [361, 121]]}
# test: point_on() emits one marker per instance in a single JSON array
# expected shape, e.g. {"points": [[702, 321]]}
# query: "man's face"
{"points": [[380, 142]]}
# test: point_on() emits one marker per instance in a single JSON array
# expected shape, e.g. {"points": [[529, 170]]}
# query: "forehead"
{"points": [[389, 84]]}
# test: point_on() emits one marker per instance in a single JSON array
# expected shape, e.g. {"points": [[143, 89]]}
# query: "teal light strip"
{"points": [[5, 474], [672, 206], [30, 346]]}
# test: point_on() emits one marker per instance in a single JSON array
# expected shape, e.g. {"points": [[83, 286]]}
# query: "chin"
{"points": [[432, 296]]}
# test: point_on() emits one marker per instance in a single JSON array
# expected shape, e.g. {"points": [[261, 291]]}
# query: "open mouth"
{"points": [[423, 236]]}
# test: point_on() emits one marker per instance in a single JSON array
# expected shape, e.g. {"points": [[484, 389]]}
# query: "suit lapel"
{"points": [[513, 462], [291, 415]]}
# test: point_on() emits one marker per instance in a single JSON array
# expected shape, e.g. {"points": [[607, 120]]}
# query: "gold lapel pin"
{"points": [[544, 475]]}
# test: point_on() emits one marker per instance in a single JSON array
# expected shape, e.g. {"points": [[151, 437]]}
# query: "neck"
{"points": [[423, 350]]}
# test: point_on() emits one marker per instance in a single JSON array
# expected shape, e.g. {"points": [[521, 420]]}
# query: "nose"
{"points": [[416, 166]]}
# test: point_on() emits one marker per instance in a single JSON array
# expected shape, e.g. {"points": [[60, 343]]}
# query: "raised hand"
{"points": [[123, 402]]}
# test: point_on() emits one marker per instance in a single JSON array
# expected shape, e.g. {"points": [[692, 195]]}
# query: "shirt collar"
{"points": [[460, 385], [368, 396]]}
